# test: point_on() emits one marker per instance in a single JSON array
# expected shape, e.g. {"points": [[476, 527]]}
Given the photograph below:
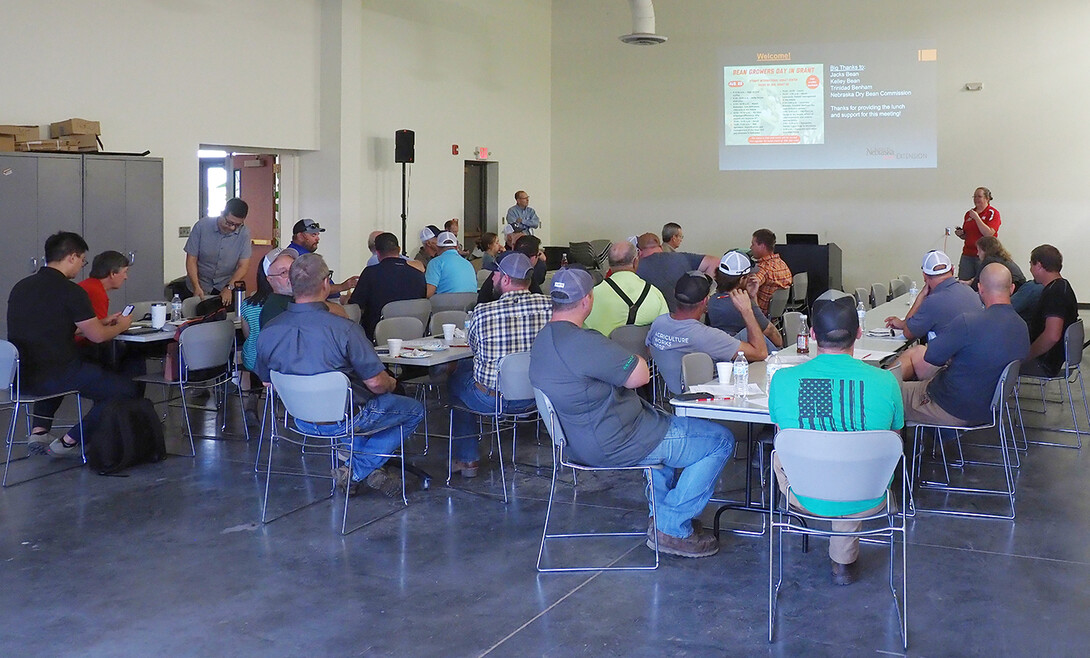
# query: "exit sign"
{"points": [[482, 152]]}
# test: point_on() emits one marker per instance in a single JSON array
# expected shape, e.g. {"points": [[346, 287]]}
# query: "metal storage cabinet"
{"points": [[123, 211]]}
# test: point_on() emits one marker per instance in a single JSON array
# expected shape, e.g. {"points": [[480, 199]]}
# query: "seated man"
{"points": [[623, 297], [974, 348], [109, 270], [428, 247], [530, 246], [1056, 310], [662, 270], [307, 339], [736, 272], [306, 234], [449, 272], [672, 235], [44, 311], [681, 332], [591, 381], [278, 301], [772, 273], [838, 393], [506, 326], [392, 279], [940, 301]]}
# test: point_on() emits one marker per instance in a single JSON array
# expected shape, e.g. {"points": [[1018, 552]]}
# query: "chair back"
{"points": [[839, 466], [800, 284], [483, 274], [141, 310], [696, 368], [897, 288], [633, 338], [9, 370], [207, 345], [791, 327], [457, 318], [453, 301], [409, 308], [405, 328], [1074, 338], [879, 293], [907, 281], [552, 421], [863, 295], [189, 305], [321, 398], [778, 305], [353, 312], [514, 382], [1004, 388], [832, 294]]}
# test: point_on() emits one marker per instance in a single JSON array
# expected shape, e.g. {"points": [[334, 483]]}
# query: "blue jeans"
{"points": [[699, 448], [386, 416], [92, 382], [465, 428]]}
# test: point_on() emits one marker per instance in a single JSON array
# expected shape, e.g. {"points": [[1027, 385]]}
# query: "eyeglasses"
{"points": [[234, 225]]}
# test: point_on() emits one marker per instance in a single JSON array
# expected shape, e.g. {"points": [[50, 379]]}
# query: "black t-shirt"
{"points": [[43, 310], [389, 280], [1057, 300]]}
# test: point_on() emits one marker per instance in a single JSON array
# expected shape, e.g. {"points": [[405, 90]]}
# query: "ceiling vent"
{"points": [[643, 25]]}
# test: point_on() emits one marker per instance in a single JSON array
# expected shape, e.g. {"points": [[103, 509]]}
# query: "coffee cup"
{"points": [[394, 345], [723, 369], [158, 315], [448, 332]]}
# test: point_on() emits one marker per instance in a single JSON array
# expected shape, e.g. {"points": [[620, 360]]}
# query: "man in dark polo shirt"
{"points": [[308, 339], [1056, 310], [44, 311], [391, 279]]}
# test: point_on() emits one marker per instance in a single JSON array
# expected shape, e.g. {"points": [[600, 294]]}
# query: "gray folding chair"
{"points": [[1074, 337], [189, 305], [634, 338], [142, 310], [322, 398], [453, 301], [897, 288], [863, 295], [879, 294], [800, 286], [353, 312], [832, 294], [457, 318], [838, 466], [483, 274], [907, 280], [791, 328], [405, 328], [13, 397], [412, 308], [552, 423], [778, 305], [696, 368]]}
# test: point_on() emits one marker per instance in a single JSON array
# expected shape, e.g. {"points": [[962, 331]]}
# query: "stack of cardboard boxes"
{"points": [[69, 136]]}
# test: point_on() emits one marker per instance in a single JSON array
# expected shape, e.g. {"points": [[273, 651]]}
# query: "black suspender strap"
{"points": [[633, 307]]}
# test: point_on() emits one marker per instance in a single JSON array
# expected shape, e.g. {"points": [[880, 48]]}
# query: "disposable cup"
{"points": [[394, 344], [158, 315], [723, 369], [448, 332]]}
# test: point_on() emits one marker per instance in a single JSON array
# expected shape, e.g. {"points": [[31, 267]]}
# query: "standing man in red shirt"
{"points": [[982, 219]]}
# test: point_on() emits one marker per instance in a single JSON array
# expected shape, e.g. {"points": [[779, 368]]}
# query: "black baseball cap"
{"points": [[835, 320], [693, 287], [307, 226]]}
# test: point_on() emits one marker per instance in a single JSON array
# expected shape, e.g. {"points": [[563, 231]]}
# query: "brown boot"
{"points": [[695, 545], [843, 574]]}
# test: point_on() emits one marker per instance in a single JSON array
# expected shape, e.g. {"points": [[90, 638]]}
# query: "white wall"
{"points": [[635, 129], [166, 76]]}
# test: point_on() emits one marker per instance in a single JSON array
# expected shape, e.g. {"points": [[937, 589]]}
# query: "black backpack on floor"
{"points": [[129, 433]]}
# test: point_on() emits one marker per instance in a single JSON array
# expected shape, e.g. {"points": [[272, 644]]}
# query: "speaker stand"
{"points": [[404, 207]]}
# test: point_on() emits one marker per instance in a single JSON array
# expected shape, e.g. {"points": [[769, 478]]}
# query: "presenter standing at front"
{"points": [[521, 218], [982, 219]]}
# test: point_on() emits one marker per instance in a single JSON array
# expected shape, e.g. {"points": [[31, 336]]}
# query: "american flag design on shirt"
{"points": [[831, 405]]}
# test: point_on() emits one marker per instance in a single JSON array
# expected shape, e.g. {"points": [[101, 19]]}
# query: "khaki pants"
{"points": [[842, 550], [920, 408]]}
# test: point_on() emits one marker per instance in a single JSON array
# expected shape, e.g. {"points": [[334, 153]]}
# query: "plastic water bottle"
{"points": [[176, 308], [772, 364], [802, 343], [861, 311], [912, 292], [741, 376]]}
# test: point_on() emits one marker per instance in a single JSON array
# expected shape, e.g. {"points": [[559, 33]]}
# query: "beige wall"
{"points": [[635, 129]]}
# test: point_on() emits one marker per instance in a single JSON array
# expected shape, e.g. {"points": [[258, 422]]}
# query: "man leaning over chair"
{"points": [[592, 383], [307, 339], [835, 392]]}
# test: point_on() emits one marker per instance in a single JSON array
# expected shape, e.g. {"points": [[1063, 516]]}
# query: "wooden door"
{"points": [[254, 179]]}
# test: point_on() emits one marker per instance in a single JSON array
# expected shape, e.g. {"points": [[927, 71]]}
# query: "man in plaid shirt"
{"points": [[772, 273], [505, 326]]}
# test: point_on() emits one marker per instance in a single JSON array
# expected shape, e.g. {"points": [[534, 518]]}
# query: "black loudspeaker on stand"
{"points": [[404, 152]]}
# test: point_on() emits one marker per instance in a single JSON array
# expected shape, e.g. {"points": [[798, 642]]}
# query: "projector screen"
{"points": [[829, 106]]}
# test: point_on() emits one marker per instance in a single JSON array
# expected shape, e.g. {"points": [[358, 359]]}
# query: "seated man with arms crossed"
{"points": [[838, 393], [1057, 309], [44, 311], [591, 381], [681, 332], [624, 298], [940, 301], [307, 339], [974, 348]]}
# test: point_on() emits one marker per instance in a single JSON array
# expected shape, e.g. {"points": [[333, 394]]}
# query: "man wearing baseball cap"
{"points": [[428, 247], [304, 240], [736, 272], [592, 384], [449, 272], [835, 392], [941, 300], [682, 331], [505, 326]]}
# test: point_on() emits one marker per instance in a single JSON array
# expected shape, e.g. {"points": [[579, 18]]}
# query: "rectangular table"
{"points": [[451, 353]]}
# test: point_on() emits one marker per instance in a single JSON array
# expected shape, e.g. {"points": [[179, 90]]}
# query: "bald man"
{"points": [[663, 270]]}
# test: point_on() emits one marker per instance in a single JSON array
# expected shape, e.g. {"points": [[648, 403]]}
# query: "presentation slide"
{"points": [[829, 106]]}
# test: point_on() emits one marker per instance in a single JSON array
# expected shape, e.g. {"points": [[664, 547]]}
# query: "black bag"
{"points": [[129, 433]]}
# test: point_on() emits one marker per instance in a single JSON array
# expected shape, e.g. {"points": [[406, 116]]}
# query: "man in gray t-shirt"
{"points": [[942, 299], [662, 269], [591, 382], [217, 252], [681, 332]]}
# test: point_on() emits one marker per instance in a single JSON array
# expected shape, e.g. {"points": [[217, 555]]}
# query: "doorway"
{"points": [[481, 206]]}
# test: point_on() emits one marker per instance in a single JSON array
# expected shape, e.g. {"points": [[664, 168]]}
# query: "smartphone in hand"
{"points": [[128, 310]]}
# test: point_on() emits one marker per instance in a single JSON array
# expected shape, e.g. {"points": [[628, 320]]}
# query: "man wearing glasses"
{"points": [[521, 217], [217, 252]]}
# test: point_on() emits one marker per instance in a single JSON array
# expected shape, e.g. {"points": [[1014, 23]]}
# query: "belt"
{"points": [[484, 389]]}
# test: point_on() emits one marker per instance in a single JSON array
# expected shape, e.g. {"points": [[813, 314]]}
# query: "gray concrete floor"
{"points": [[173, 559]]}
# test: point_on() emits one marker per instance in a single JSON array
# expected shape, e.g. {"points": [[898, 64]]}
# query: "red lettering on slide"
{"points": [[774, 139]]}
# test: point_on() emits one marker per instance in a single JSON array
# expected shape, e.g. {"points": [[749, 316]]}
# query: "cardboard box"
{"points": [[22, 133], [51, 145], [74, 127], [7, 143], [82, 143]]}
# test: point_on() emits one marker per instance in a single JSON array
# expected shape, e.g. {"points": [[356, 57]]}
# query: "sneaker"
{"points": [[843, 574], [387, 484], [467, 469], [343, 476], [58, 448], [695, 545], [38, 444]]}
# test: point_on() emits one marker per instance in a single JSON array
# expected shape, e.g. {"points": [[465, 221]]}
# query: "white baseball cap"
{"points": [[447, 239], [735, 263], [936, 262]]}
